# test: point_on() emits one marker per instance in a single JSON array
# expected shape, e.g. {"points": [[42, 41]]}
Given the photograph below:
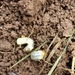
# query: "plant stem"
{"points": [[55, 64]]}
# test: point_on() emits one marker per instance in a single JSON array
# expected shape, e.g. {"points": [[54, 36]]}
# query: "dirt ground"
{"points": [[40, 20]]}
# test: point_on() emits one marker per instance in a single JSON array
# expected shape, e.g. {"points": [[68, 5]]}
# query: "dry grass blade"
{"points": [[73, 63], [51, 54], [67, 69], [52, 43], [28, 55], [53, 50], [55, 64], [46, 54]]}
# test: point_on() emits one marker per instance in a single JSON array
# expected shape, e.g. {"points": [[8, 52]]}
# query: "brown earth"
{"points": [[41, 20]]}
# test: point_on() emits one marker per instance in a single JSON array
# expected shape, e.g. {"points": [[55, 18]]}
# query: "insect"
{"points": [[38, 55], [11, 73], [26, 40]]}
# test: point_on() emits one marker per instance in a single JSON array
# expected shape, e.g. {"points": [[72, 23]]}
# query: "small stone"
{"points": [[13, 34], [5, 45], [1, 19]]}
